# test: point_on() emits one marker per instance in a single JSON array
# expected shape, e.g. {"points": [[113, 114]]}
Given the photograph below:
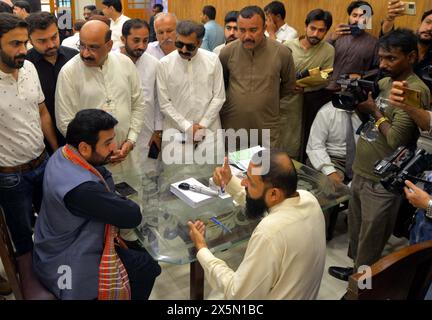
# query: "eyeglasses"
{"points": [[92, 48], [189, 46]]}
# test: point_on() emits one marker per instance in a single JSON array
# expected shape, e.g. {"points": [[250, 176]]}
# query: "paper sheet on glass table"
{"points": [[315, 78], [241, 158]]}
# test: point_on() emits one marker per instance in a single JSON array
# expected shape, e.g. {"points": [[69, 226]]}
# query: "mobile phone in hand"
{"points": [[412, 97], [124, 189]]}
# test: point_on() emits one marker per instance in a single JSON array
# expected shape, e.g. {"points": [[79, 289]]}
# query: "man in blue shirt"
{"points": [[214, 34]]}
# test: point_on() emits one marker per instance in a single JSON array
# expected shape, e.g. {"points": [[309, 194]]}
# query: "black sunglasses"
{"points": [[189, 46]]}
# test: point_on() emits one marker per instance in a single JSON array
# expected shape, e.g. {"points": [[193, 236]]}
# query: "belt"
{"points": [[33, 164]]}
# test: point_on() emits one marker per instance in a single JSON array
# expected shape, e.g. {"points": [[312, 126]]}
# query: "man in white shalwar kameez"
{"points": [[108, 81], [191, 92], [135, 35]]}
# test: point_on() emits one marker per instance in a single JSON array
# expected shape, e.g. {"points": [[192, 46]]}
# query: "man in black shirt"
{"points": [[48, 57]]}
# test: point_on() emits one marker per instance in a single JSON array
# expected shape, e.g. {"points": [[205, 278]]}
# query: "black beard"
{"points": [[255, 208], [134, 53], [426, 42]]}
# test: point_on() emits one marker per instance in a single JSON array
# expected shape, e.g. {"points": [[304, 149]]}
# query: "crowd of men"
{"points": [[125, 95]]}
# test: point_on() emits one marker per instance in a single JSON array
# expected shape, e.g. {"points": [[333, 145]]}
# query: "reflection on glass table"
{"points": [[164, 232]]}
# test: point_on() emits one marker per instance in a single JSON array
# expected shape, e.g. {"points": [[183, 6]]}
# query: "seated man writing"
{"points": [[74, 252], [285, 255]]}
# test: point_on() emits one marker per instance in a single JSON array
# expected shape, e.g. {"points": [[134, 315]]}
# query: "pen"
{"points": [[220, 224]]}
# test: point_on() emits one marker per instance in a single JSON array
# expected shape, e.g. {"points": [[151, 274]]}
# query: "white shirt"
{"points": [[146, 66], [115, 88], [218, 49], [72, 42], [155, 50], [21, 136], [328, 137], [285, 33], [116, 28], [285, 256]]}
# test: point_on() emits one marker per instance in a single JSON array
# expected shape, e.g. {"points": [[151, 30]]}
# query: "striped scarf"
{"points": [[113, 278]]}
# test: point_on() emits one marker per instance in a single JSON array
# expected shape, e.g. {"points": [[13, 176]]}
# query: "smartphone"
{"points": [[355, 29], [412, 97], [124, 189], [153, 151], [410, 8]]}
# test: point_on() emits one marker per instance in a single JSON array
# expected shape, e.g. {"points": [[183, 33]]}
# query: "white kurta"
{"points": [[146, 66], [116, 28], [114, 88], [191, 91], [285, 256]]}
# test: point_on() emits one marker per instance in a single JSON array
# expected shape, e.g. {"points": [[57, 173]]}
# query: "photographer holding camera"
{"points": [[373, 209]]}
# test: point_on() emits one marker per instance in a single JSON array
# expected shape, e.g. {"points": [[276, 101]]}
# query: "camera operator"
{"points": [[356, 51], [424, 34], [373, 209]]}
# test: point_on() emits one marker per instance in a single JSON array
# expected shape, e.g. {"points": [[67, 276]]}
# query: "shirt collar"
{"points": [[283, 28], [289, 202]]}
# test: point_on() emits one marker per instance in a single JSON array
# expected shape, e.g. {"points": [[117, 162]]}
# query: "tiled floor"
{"points": [[173, 283]]}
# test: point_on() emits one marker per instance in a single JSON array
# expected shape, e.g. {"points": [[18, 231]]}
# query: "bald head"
{"points": [[95, 43]]}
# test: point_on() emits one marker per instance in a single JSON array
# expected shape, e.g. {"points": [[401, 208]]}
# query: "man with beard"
{"points": [[299, 110], [24, 121], [230, 31], [191, 93], [98, 78], [78, 205], [135, 35], [355, 54], [258, 73], [373, 209], [48, 57], [424, 36], [280, 262], [165, 27]]}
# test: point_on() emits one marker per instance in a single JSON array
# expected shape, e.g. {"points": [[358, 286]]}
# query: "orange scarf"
{"points": [[113, 277]]}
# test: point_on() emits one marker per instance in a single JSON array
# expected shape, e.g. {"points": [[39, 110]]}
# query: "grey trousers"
{"points": [[372, 215]]}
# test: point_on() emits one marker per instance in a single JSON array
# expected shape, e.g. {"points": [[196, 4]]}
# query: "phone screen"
{"points": [[125, 189]]}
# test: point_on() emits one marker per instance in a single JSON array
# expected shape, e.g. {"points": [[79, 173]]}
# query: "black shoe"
{"points": [[340, 272]]}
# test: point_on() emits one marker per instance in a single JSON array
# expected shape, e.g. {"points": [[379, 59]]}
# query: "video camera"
{"points": [[355, 91], [406, 164]]}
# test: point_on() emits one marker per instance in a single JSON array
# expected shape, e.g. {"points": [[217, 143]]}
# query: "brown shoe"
{"points": [[5, 288]]}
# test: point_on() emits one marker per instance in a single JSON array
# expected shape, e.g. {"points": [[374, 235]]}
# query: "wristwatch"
{"points": [[428, 212]]}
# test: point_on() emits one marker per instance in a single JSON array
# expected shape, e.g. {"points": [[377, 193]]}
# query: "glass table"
{"points": [[164, 232]]}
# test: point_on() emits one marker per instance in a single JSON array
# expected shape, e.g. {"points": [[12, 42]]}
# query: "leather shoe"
{"points": [[340, 273], [5, 288]]}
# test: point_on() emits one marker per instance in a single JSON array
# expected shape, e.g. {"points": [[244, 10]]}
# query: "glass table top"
{"points": [[164, 232]]}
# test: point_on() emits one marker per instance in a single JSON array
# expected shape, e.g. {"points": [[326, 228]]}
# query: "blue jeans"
{"points": [[18, 192]]}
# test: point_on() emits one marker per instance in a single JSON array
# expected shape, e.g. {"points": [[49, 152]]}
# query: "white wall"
{"points": [[79, 7]]}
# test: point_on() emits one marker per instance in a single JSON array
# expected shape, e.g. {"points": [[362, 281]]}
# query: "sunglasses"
{"points": [[189, 46]]}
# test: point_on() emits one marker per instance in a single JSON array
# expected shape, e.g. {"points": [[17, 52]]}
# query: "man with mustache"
{"points": [[258, 73], [191, 92], [24, 121], [101, 79], [165, 27], [424, 35], [299, 110], [355, 53], [373, 209], [135, 36], [79, 203], [48, 57], [285, 255], [230, 30]]}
